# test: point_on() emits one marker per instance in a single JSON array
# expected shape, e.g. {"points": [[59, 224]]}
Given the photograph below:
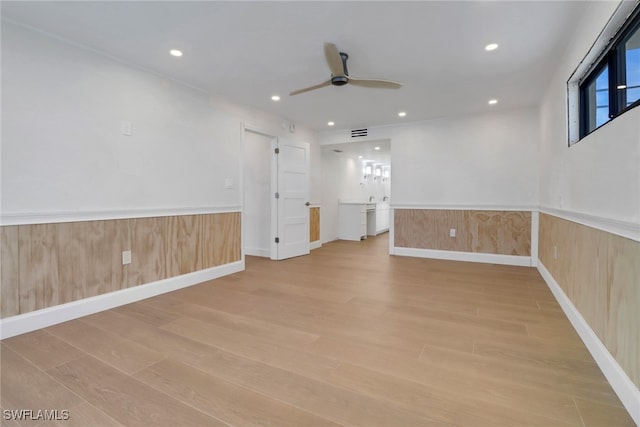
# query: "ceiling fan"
{"points": [[340, 76]]}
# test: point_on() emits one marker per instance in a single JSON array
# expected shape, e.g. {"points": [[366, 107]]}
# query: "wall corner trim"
{"points": [[522, 261], [23, 323], [622, 385]]}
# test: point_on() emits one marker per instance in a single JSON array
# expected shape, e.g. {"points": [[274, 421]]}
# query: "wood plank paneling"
{"points": [[43, 265], [184, 244], [506, 233], [90, 258], [149, 250], [493, 232], [314, 224], [9, 272], [221, 241], [600, 273], [38, 266]]}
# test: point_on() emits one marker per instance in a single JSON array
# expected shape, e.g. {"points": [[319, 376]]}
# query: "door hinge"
{"points": [[277, 150], [277, 240], [277, 195]]}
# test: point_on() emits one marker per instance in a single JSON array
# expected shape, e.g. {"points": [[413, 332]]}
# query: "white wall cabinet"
{"points": [[382, 217], [352, 221]]}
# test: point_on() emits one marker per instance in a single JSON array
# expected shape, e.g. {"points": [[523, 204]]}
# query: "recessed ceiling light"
{"points": [[275, 98], [376, 148], [402, 114], [493, 101], [491, 46], [359, 157], [175, 52], [330, 123]]}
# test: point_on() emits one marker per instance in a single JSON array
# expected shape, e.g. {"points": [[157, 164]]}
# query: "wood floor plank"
{"points": [[151, 337], [43, 349], [541, 378], [117, 352], [129, 401], [254, 347], [596, 414], [231, 403], [26, 387], [433, 402], [504, 393], [146, 314], [320, 398], [245, 324]]}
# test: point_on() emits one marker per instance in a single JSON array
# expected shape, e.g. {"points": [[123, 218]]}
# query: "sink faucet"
{"points": [[385, 198], [371, 198]]}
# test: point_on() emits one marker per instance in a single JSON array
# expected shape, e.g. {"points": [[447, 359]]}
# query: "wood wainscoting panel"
{"points": [[492, 232], [600, 273], [622, 336], [184, 241], [43, 265], [314, 224], [149, 250], [221, 241], [90, 258], [38, 260], [429, 229], [9, 272]]}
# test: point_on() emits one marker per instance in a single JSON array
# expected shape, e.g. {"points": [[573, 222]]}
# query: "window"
{"points": [[613, 85]]}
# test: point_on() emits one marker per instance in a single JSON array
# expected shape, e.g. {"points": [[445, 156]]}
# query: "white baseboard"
{"points": [[623, 386], [315, 245], [265, 253], [23, 323], [523, 261]]}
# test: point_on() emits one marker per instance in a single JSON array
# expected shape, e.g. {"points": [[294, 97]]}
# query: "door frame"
{"points": [[274, 139]]}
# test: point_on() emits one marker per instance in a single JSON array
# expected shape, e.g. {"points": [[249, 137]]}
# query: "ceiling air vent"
{"points": [[337, 151], [356, 133]]}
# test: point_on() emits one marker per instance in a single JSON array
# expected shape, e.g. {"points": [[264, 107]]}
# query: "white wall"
{"points": [[256, 215], [600, 175], [481, 160], [62, 151]]}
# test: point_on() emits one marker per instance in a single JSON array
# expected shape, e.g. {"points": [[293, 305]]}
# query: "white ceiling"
{"points": [[247, 51], [366, 149]]}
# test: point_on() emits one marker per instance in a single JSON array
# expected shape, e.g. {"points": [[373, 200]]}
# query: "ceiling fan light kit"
{"points": [[337, 62]]}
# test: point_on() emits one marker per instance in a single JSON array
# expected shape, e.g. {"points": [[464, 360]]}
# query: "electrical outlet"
{"points": [[126, 257], [555, 252], [452, 232]]}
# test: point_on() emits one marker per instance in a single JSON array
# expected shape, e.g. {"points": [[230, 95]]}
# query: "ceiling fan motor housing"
{"points": [[341, 80]]}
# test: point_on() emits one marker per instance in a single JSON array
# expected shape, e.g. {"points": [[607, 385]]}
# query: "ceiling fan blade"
{"points": [[307, 89], [334, 59], [375, 83]]}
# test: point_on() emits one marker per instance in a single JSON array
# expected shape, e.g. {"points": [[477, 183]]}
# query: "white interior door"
{"points": [[290, 207]]}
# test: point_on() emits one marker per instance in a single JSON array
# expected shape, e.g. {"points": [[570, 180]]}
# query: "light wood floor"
{"points": [[345, 336]]}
